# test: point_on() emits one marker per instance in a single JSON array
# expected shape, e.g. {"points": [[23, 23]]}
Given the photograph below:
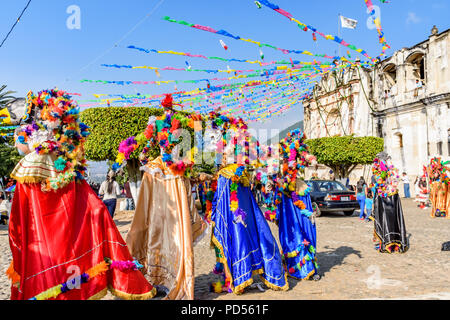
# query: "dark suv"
{"points": [[332, 196]]}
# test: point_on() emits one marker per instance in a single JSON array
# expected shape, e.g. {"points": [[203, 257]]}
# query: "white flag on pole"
{"points": [[348, 23]]}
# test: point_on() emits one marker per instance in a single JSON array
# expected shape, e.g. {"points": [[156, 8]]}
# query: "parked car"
{"points": [[332, 196]]}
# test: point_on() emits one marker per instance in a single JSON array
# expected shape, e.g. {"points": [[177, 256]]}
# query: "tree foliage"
{"points": [[5, 96], [9, 157], [110, 126], [343, 154]]}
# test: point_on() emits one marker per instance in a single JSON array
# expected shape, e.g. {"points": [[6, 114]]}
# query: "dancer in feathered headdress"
{"points": [[241, 236], [438, 173], [297, 229], [166, 223], [390, 229], [64, 243]]}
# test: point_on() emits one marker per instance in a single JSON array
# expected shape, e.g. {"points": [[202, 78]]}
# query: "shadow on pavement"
{"points": [[202, 284], [336, 257]]}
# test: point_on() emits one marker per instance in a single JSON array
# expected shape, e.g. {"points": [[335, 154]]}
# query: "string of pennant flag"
{"points": [[282, 86], [306, 27]]}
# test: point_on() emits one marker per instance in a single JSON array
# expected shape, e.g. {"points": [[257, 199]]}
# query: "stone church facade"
{"points": [[404, 99]]}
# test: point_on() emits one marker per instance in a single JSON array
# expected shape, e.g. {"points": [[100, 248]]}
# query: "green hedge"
{"points": [[343, 154], [110, 126]]}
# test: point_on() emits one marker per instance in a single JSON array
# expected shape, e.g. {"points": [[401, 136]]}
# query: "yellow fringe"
{"points": [[12, 274], [129, 296], [406, 248], [28, 179], [396, 244], [313, 272], [275, 287], [230, 171], [240, 288], [99, 295]]}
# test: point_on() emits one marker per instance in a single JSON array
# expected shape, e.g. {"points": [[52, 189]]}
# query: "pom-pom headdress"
{"points": [[438, 170], [295, 157], [54, 127], [168, 103], [386, 176], [159, 132]]}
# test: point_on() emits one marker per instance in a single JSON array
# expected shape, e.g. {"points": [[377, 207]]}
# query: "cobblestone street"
{"points": [[350, 267]]}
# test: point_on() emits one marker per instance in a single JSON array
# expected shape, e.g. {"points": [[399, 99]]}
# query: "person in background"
{"points": [[423, 193], [373, 182], [417, 189], [406, 188], [128, 196], [202, 187], [194, 191], [418, 87], [361, 190], [110, 189], [332, 177], [5, 208], [259, 198], [347, 183], [369, 204]]}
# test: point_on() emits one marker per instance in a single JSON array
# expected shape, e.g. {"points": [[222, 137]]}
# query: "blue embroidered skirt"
{"points": [[297, 237], [248, 246]]}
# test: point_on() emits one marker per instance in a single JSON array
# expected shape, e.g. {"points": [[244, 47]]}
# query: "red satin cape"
{"points": [[54, 235]]}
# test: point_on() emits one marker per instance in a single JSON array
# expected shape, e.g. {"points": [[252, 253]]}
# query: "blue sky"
{"points": [[43, 53]]}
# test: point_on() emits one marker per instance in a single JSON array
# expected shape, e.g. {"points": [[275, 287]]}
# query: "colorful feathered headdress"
{"points": [[54, 127]]}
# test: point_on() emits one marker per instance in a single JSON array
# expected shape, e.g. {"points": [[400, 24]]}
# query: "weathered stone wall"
{"points": [[413, 119]]}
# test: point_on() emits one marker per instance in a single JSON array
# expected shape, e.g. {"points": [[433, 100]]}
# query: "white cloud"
{"points": [[413, 18]]}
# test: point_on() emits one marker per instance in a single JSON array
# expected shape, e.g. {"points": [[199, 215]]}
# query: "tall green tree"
{"points": [[9, 157], [110, 126], [5, 96], [344, 154]]}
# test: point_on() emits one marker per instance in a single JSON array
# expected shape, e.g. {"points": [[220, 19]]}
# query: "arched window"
{"points": [[390, 74], [417, 59], [399, 141]]}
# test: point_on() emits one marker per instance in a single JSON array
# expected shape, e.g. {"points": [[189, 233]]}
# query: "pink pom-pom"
{"points": [[123, 265]]}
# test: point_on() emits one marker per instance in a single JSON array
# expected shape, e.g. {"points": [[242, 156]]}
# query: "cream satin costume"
{"points": [[35, 168], [439, 198], [165, 227]]}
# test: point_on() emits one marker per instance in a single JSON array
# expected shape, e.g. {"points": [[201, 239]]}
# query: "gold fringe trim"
{"points": [[406, 248], [240, 288], [313, 272], [130, 296], [28, 179], [396, 244], [230, 171], [275, 287], [99, 295]]}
